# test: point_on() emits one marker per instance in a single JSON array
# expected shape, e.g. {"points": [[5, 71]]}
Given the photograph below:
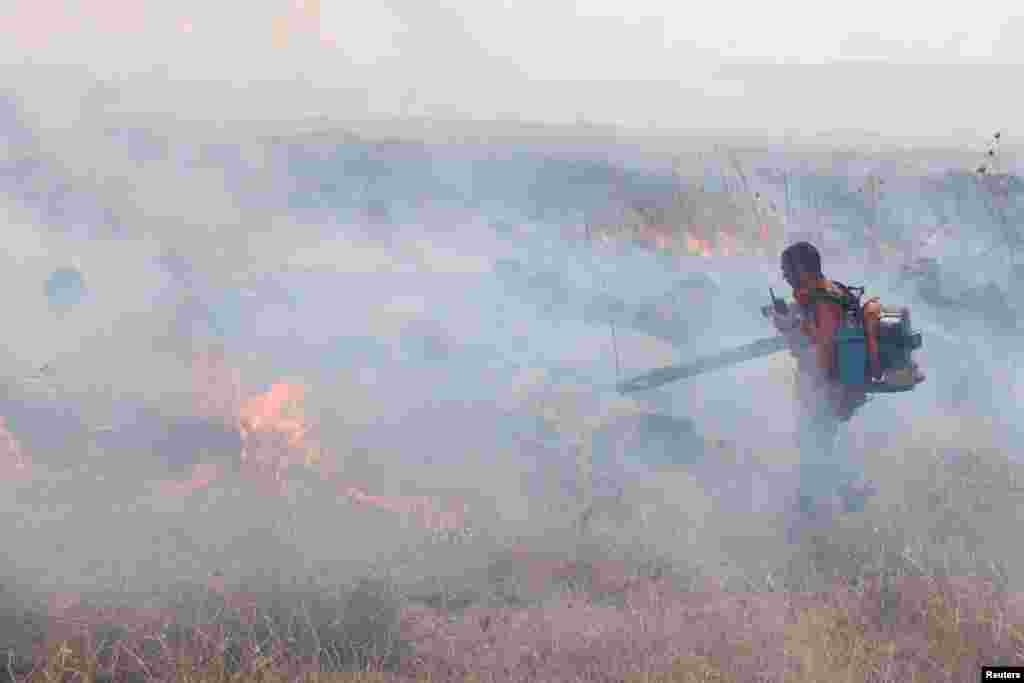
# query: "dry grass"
{"points": [[652, 630], [917, 587]]}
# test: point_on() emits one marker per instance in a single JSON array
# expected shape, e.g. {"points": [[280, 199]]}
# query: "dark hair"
{"points": [[801, 257]]}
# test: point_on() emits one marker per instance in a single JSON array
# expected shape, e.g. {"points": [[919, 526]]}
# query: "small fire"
{"points": [[14, 463], [275, 434], [697, 246], [302, 17], [430, 513], [726, 241], [203, 474], [272, 425], [278, 411]]}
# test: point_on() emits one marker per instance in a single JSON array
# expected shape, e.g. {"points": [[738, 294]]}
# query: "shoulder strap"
{"points": [[850, 290], [839, 296]]}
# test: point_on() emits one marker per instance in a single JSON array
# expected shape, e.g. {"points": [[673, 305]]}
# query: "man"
{"points": [[827, 485]]}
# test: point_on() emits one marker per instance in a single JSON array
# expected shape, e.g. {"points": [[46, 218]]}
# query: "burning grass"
{"points": [[912, 589], [278, 437]]}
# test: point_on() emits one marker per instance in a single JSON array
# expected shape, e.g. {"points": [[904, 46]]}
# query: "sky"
{"points": [[643, 64]]}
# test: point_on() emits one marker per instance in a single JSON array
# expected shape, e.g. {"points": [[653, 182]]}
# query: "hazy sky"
{"points": [[642, 63]]}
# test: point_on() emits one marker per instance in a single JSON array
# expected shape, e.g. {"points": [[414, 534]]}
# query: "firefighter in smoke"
{"points": [[829, 484]]}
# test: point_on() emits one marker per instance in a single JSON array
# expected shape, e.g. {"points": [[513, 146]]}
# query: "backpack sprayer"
{"points": [[896, 343]]}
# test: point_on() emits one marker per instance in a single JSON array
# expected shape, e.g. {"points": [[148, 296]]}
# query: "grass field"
{"points": [[923, 585]]}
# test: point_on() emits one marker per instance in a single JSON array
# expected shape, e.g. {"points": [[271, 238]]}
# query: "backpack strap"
{"points": [[846, 297], [821, 295], [855, 294], [840, 295]]}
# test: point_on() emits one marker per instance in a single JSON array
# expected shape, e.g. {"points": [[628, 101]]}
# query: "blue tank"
{"points": [[851, 354]]}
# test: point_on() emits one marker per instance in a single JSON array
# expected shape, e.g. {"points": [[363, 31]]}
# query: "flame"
{"points": [[430, 513], [272, 425], [35, 24], [663, 237], [307, 13], [278, 410], [273, 428], [14, 463], [279, 30], [202, 475], [117, 16], [697, 246], [302, 16], [275, 434], [727, 242]]}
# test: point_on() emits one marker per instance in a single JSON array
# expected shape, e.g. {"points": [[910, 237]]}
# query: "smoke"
{"points": [[460, 347]]}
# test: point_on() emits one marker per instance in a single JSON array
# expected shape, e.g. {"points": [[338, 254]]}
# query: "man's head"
{"points": [[801, 262]]}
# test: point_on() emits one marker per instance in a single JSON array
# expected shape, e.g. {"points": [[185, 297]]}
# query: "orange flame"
{"points": [[273, 430], [275, 435], [697, 246], [14, 463], [302, 17], [277, 410], [203, 474], [725, 242], [272, 425], [35, 24], [428, 512]]}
